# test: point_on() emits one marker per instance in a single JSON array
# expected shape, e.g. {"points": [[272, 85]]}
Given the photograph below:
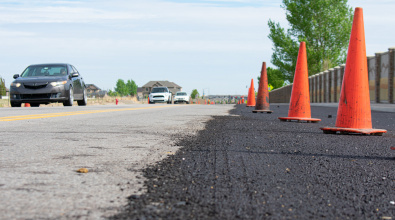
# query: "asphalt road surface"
{"points": [[252, 166], [42, 148]]}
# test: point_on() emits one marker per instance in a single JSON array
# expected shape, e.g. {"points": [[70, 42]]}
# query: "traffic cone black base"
{"points": [[334, 130], [262, 111], [298, 119]]}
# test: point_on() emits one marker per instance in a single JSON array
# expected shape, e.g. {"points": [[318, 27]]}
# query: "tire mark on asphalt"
{"points": [[227, 169], [256, 170], [244, 180], [215, 186]]}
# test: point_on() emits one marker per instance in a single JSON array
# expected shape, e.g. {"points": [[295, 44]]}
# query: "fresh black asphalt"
{"points": [[253, 166]]}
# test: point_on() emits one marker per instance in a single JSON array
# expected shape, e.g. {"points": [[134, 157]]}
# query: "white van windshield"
{"points": [[158, 90]]}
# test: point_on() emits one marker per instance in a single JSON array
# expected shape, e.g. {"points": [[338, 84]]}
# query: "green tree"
{"points": [[112, 93], [2, 87], [324, 25], [274, 78], [121, 88], [131, 87], [194, 94]]}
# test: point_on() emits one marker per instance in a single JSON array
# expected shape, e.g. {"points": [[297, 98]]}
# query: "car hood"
{"points": [[41, 79], [159, 93]]}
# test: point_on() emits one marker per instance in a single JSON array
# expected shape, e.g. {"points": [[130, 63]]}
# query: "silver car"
{"points": [[181, 97]]}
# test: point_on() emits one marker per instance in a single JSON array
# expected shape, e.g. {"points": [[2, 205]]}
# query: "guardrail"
{"points": [[325, 86]]}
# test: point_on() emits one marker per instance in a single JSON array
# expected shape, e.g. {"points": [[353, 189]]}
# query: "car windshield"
{"points": [[181, 94], [158, 90], [45, 70]]}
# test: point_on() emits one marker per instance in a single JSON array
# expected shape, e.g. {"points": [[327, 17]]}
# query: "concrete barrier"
{"points": [[325, 86]]}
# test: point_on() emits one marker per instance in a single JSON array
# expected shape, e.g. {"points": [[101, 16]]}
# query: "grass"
{"points": [[4, 103]]}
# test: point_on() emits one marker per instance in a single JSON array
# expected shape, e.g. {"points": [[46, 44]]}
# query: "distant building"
{"points": [[140, 93], [91, 88], [151, 84], [94, 91]]}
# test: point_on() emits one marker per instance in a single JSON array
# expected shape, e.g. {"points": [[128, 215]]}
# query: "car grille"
{"points": [[36, 96], [35, 86], [159, 96]]}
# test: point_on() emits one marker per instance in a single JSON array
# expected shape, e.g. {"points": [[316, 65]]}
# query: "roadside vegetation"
{"points": [[124, 89], [324, 25], [3, 102], [2, 87], [194, 94]]}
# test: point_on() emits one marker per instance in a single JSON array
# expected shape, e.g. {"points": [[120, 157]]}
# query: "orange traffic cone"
{"points": [[299, 106], [251, 95], [262, 103], [354, 113], [248, 97], [27, 104]]}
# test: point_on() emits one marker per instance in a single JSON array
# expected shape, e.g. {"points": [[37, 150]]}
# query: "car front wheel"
{"points": [[70, 101]]}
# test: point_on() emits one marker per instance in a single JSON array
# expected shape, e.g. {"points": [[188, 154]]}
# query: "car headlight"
{"points": [[54, 84], [16, 84]]}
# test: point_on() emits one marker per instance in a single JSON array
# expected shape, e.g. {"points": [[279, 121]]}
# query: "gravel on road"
{"points": [[253, 166]]}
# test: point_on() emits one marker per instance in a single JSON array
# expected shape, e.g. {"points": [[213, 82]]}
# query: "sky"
{"points": [[214, 46]]}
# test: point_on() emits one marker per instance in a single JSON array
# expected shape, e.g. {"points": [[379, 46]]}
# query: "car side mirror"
{"points": [[75, 75], [16, 76]]}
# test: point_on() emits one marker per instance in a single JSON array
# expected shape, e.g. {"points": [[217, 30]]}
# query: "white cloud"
{"points": [[6, 34], [163, 25], [63, 15], [379, 19], [146, 40]]}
